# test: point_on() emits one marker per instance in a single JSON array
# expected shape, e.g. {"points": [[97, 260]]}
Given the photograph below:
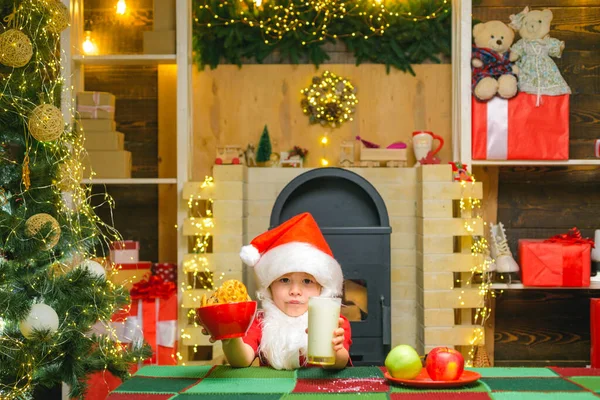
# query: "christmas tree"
{"points": [[51, 291], [263, 154]]}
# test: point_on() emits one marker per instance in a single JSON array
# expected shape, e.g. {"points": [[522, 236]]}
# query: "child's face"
{"points": [[291, 292]]}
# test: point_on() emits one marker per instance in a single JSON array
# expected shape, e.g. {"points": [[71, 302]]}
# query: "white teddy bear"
{"points": [[538, 74]]}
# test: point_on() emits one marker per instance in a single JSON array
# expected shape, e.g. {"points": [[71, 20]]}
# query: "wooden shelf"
{"points": [[126, 59], [131, 181], [518, 163], [594, 285]]}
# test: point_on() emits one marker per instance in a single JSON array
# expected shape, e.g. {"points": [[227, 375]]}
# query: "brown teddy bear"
{"points": [[493, 68], [538, 73]]}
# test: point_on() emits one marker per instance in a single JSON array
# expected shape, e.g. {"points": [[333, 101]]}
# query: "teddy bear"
{"points": [[538, 74], [493, 68]]}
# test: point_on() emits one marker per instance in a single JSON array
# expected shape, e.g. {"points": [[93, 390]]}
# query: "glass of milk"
{"points": [[323, 316]]}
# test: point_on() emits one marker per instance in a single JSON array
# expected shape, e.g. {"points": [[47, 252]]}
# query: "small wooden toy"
{"points": [[229, 155]]}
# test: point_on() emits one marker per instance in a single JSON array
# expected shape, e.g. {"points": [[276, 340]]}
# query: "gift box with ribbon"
{"points": [[595, 333], [96, 105], [127, 274], [125, 251], [526, 127], [152, 317], [562, 261], [166, 271]]}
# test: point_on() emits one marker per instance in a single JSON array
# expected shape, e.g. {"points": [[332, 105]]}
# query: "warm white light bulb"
{"points": [[324, 140], [258, 3], [324, 162], [89, 47], [121, 7]]}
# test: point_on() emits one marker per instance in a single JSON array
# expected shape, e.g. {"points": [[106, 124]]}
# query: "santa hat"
{"points": [[297, 245]]}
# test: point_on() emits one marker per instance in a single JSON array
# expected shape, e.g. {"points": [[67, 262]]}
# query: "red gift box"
{"points": [[520, 129], [128, 274], [125, 251], [562, 261], [153, 314], [152, 317], [595, 332], [167, 271]]}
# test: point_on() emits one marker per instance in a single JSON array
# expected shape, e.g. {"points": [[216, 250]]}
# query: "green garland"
{"points": [[397, 34]]}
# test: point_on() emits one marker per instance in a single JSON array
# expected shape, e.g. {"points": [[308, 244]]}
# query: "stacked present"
{"points": [[104, 145], [124, 256], [152, 318], [562, 261], [161, 40]]}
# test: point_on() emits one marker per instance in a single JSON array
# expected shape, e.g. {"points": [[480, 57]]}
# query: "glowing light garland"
{"points": [[198, 265], [403, 33], [312, 18], [479, 249]]}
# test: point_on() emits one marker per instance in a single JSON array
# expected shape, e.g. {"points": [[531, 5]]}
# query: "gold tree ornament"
{"points": [[15, 48], [329, 100], [36, 222], [46, 123], [59, 19]]}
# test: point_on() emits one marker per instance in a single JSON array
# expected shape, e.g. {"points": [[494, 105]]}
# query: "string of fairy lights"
{"points": [[479, 276], [312, 18], [71, 199], [199, 276]]}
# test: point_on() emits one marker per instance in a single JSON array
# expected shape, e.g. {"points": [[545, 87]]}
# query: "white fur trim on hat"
{"points": [[299, 257], [249, 255]]}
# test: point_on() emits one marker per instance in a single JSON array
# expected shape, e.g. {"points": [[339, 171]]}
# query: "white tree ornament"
{"points": [[95, 268], [41, 317]]}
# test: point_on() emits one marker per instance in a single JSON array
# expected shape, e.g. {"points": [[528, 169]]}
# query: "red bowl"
{"points": [[227, 321]]}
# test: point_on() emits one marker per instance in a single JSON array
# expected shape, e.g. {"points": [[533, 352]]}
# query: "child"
{"points": [[292, 262]]}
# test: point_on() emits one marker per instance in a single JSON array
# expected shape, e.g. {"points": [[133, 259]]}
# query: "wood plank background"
{"points": [[231, 106], [542, 327], [136, 115]]}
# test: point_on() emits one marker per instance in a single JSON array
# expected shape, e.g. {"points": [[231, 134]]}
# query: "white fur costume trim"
{"points": [[299, 257], [249, 255], [284, 338]]}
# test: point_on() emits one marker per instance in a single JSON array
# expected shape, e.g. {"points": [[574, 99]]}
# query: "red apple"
{"points": [[444, 364]]}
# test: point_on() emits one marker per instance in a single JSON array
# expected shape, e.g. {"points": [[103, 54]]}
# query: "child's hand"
{"points": [[338, 336], [204, 332]]}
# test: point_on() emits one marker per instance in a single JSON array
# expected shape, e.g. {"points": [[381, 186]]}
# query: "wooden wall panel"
{"points": [[134, 215], [543, 328], [536, 202], [552, 327], [136, 115], [231, 106]]}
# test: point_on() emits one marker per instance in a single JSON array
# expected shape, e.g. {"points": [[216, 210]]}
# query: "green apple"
{"points": [[403, 362]]}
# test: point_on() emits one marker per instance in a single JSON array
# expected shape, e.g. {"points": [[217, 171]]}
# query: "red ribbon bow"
{"points": [[571, 237], [153, 288]]}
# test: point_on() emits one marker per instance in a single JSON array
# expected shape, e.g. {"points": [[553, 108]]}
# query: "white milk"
{"points": [[323, 316]]}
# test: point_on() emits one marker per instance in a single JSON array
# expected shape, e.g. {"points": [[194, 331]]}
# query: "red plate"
{"points": [[424, 381]]}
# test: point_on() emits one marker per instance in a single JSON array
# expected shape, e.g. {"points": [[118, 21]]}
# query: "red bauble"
{"points": [[444, 364]]}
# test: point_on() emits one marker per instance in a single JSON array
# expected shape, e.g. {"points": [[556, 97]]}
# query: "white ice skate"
{"points": [[505, 263]]}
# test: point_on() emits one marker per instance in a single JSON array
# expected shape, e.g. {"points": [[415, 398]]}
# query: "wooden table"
{"points": [[261, 383]]}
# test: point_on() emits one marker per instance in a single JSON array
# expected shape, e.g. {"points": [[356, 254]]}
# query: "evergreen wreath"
{"points": [[396, 34]]}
